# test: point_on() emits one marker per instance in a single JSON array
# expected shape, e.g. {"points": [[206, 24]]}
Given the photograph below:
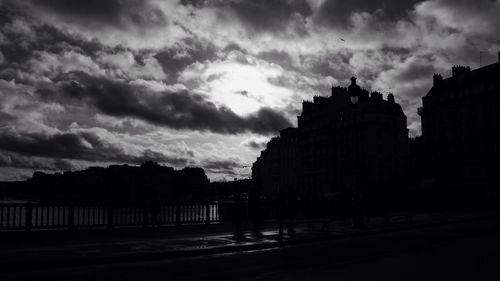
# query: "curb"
{"points": [[168, 255]]}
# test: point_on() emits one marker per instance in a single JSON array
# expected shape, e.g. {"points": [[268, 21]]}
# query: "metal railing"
{"points": [[31, 216]]}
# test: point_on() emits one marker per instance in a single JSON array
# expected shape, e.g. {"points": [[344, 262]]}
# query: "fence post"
{"points": [[207, 213], [178, 215], [110, 216], [145, 216], [28, 216], [71, 217]]}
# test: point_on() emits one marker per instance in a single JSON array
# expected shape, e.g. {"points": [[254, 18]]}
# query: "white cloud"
{"points": [[52, 65], [125, 65]]}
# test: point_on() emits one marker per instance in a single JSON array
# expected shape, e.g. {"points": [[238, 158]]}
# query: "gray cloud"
{"points": [[243, 93], [476, 19], [83, 145], [178, 110], [415, 72], [256, 145], [263, 15], [23, 42], [281, 58], [337, 13], [222, 166], [15, 160], [260, 15], [214, 164], [175, 59], [118, 13]]}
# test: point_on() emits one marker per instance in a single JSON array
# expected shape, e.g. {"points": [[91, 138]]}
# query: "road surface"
{"points": [[466, 251]]}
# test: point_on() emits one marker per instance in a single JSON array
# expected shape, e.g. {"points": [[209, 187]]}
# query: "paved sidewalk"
{"points": [[52, 249]]}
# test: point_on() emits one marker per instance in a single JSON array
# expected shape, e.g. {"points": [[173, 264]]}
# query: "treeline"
{"points": [[117, 184]]}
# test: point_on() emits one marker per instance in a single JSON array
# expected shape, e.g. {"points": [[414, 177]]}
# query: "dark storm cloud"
{"points": [[281, 58], [263, 15], [234, 47], [62, 145], [173, 60], [214, 164], [15, 160], [53, 39], [260, 15], [335, 64], [416, 72], [256, 145], [155, 156], [17, 46], [118, 13], [337, 13], [225, 166], [76, 146], [178, 110], [478, 18], [5, 118], [22, 42], [197, 3]]}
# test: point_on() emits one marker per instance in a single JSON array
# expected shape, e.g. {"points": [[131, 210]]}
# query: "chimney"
{"points": [[499, 56], [390, 98], [437, 79], [376, 96], [353, 80]]}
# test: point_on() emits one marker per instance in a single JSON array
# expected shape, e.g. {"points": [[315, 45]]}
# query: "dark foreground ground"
{"points": [[462, 251]]}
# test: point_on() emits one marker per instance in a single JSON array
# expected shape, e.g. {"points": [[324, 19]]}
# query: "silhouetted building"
{"points": [[118, 184], [415, 161], [228, 189], [352, 138], [278, 165], [460, 127]]}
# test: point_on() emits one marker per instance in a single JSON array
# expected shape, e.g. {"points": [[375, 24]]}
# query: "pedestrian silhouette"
{"points": [[290, 211], [357, 208], [154, 208], [280, 212], [255, 209], [238, 214]]}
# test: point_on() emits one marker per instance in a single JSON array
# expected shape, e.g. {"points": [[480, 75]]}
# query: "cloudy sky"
{"points": [[208, 82]]}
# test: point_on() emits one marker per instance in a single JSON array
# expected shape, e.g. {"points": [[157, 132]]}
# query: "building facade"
{"points": [[461, 127], [351, 139]]}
